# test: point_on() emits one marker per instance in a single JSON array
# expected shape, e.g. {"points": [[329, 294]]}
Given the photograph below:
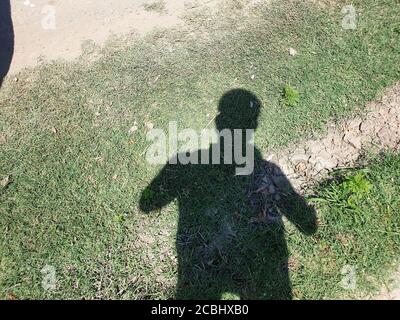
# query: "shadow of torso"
{"points": [[218, 250]]}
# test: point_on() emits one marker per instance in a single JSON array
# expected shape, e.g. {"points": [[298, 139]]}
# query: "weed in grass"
{"points": [[290, 96], [350, 192], [355, 188]]}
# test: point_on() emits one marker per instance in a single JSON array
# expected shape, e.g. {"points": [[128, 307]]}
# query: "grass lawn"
{"points": [[358, 228], [77, 167]]}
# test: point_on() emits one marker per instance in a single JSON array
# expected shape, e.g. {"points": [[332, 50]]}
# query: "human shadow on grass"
{"points": [[231, 238], [6, 39]]}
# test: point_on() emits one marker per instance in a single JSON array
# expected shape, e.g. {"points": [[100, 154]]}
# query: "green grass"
{"points": [[73, 200], [359, 226]]}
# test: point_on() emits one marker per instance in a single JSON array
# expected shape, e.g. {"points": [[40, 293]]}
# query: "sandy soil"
{"points": [[80, 20]]}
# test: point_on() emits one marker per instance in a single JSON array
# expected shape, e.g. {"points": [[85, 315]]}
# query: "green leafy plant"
{"points": [[291, 96], [348, 193], [355, 188], [357, 184]]}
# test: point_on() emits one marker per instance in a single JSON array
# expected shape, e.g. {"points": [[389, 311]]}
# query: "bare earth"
{"points": [[344, 144], [80, 20], [392, 291]]}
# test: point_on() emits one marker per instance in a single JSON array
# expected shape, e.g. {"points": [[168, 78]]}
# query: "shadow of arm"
{"points": [[159, 192], [300, 213], [295, 207]]}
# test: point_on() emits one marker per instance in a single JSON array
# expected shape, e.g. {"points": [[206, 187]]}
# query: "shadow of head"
{"points": [[238, 109]]}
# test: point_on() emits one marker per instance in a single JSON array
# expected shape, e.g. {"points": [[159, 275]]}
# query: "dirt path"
{"points": [[392, 292], [50, 29], [311, 160]]}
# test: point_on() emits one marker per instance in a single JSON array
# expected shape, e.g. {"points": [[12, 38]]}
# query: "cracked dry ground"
{"points": [[342, 146]]}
